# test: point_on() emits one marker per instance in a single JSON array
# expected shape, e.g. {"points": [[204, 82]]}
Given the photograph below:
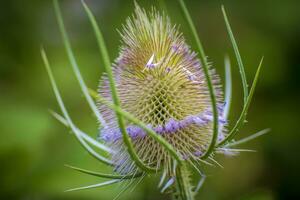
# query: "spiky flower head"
{"points": [[160, 81], [173, 105]]}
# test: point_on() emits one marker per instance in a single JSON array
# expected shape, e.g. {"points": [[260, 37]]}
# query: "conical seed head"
{"points": [[161, 82]]}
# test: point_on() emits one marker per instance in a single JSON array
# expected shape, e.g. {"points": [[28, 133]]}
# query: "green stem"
{"points": [[183, 184]]}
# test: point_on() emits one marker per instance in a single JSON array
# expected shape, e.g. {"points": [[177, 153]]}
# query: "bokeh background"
{"points": [[34, 147]]}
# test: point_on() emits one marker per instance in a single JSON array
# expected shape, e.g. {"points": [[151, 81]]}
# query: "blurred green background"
{"points": [[34, 147]]}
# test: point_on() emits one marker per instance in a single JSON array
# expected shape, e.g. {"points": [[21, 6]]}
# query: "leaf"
{"points": [[103, 175], [208, 79], [200, 183], [82, 134], [94, 186], [162, 178], [228, 87], [75, 65], [236, 150], [168, 184], [243, 115], [249, 138], [66, 115], [237, 55]]}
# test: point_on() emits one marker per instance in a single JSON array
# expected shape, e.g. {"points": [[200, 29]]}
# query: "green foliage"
{"points": [[237, 55], [102, 175], [67, 117], [243, 115]]}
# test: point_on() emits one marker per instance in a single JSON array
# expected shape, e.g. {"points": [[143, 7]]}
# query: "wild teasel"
{"points": [[161, 110]]}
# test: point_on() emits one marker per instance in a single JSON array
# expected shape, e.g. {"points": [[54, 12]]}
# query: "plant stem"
{"points": [[183, 184]]}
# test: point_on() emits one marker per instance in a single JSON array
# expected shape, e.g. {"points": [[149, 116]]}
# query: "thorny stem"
{"points": [[183, 184]]}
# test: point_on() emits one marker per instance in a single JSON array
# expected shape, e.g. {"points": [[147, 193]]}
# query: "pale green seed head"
{"points": [[159, 81]]}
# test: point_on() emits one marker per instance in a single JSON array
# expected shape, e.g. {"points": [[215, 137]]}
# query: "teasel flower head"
{"points": [[161, 82], [160, 109]]}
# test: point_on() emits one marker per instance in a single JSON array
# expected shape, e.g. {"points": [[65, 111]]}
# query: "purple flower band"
{"points": [[170, 127]]}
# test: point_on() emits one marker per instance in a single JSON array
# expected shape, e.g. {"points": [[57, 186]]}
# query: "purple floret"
{"points": [[170, 127]]}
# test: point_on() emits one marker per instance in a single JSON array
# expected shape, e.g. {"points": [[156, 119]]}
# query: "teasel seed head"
{"points": [[161, 82]]}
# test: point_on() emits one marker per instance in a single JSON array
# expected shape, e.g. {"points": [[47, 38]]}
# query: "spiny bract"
{"points": [[161, 82]]}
